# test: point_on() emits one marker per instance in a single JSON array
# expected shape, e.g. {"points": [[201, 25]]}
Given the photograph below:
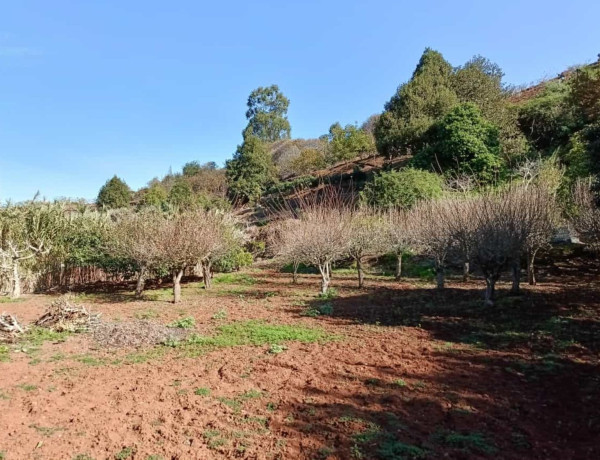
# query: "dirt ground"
{"points": [[400, 371]]}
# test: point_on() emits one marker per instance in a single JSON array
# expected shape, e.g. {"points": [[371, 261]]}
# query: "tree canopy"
{"points": [[114, 194], [267, 114]]}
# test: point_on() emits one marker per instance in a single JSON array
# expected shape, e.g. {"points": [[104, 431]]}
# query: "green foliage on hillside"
{"points": [[114, 194], [462, 142], [402, 189], [346, 143], [250, 171]]}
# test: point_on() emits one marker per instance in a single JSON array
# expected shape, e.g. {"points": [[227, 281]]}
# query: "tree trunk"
{"points": [[490, 290], [328, 267], [439, 274], [516, 277], [466, 270], [177, 275], [531, 267], [296, 265], [361, 272], [206, 268], [16, 282], [399, 266], [324, 278], [139, 288]]}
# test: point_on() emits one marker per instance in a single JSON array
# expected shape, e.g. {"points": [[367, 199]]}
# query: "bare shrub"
{"points": [[586, 219], [315, 233], [398, 236], [366, 238]]}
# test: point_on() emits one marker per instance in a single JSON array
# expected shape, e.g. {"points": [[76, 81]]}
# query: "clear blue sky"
{"points": [[93, 88]]}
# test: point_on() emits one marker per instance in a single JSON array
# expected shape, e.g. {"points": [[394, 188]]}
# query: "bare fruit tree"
{"points": [[366, 238], [316, 234], [586, 219], [135, 237], [429, 223], [398, 235], [185, 239]]}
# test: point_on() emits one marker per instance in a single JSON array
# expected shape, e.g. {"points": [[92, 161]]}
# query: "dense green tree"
{"points": [[250, 170], [156, 195], [549, 120], [347, 143], [585, 93], [462, 142], [308, 161], [267, 114], [191, 168], [181, 194], [402, 188], [115, 193], [416, 106]]}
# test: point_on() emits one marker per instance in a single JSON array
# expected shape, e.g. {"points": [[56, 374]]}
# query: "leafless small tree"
{"points": [[135, 237], [315, 233], [398, 235], [366, 238], [429, 224], [185, 239], [586, 219]]}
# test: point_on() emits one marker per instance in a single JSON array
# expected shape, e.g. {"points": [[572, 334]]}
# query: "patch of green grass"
{"points": [[221, 314], [324, 309], [331, 293], [473, 441], [144, 356], [234, 278], [253, 332], [146, 314], [155, 457], [202, 391], [27, 387], [271, 407], [4, 396], [392, 449], [89, 360], [184, 323], [275, 349], [214, 439], [237, 402], [125, 453], [83, 457], [400, 383], [36, 336], [4, 354], [5, 299]]}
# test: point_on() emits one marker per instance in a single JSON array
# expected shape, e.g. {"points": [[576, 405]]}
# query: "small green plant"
{"points": [[27, 387], [400, 383], [146, 314], [36, 336], [331, 293], [271, 407], [275, 348], [392, 449], [155, 457], [234, 278], [202, 391], [184, 323], [324, 309], [4, 354], [83, 457], [125, 453], [213, 439], [221, 314], [468, 442]]}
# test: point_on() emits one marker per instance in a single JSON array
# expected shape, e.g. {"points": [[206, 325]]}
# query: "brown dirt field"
{"points": [[412, 373]]}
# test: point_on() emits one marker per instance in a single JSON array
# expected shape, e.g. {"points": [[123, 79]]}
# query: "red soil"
{"points": [[413, 365]]}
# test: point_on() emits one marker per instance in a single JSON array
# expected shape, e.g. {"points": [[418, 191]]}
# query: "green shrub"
{"points": [[401, 188], [184, 323], [235, 259]]}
